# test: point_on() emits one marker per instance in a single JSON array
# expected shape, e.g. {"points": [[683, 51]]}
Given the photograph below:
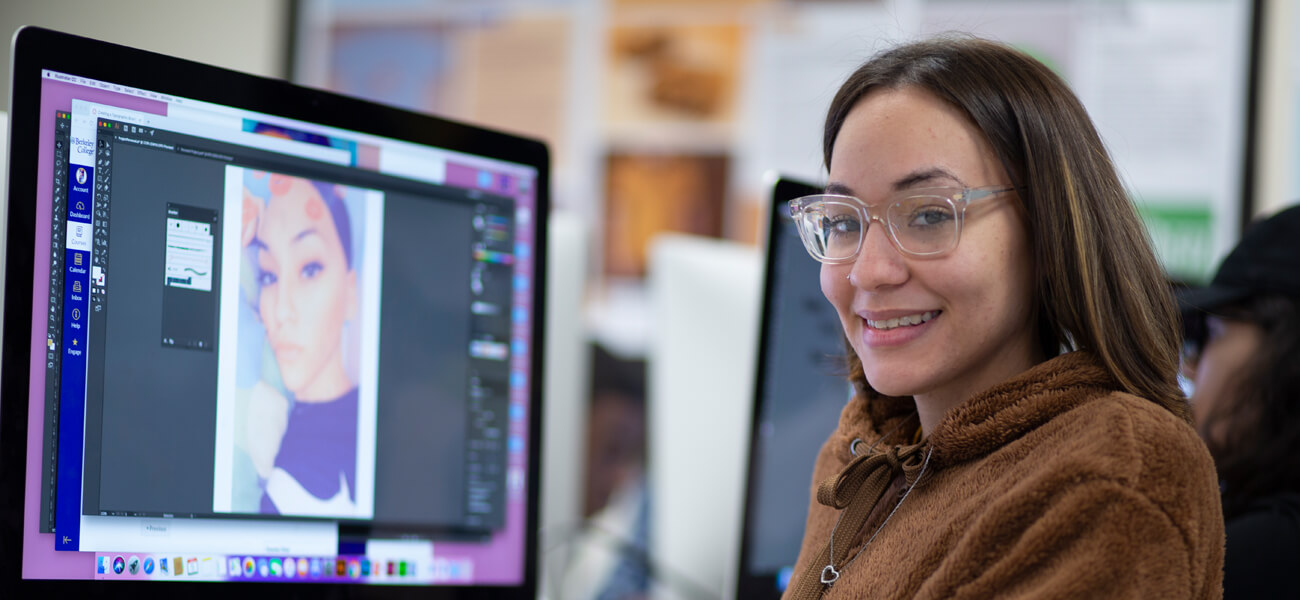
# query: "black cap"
{"points": [[1265, 261]]}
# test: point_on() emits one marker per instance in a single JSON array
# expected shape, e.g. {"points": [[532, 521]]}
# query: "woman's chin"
{"points": [[893, 384], [319, 387]]}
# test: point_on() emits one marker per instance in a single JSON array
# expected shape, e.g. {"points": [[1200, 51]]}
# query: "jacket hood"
{"points": [[987, 421]]}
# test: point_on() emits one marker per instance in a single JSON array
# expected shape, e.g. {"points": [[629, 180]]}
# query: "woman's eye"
{"points": [[311, 269], [841, 226], [265, 278], [930, 216]]}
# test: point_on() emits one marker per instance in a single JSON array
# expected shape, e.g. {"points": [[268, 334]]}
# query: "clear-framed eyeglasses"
{"points": [[921, 222]]}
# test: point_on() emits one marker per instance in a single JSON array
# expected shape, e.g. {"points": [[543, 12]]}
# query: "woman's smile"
{"points": [[883, 331]]}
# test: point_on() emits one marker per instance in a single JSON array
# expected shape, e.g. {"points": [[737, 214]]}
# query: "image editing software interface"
{"points": [[273, 351]]}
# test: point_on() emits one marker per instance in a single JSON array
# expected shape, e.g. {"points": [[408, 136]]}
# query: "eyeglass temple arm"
{"points": [[976, 194]]}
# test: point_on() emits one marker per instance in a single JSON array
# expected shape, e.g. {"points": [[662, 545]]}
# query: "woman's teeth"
{"points": [[900, 321]]}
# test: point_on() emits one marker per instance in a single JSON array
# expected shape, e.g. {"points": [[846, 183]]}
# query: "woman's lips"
{"points": [[905, 320], [897, 330], [287, 352]]}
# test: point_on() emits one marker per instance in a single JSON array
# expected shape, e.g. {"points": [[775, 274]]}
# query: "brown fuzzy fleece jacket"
{"points": [[1050, 485]]}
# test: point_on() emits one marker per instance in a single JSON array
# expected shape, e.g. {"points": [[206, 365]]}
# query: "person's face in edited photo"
{"points": [[307, 290], [979, 295]]}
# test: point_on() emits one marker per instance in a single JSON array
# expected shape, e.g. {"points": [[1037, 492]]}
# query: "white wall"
{"points": [[1275, 142], [246, 35]]}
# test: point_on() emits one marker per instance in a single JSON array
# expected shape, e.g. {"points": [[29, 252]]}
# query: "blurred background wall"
{"points": [[246, 35]]}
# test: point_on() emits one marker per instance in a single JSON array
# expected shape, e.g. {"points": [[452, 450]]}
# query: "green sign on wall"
{"points": [[1182, 235]]}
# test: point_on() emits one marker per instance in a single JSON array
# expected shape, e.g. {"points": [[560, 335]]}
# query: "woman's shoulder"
{"points": [[1138, 444], [1138, 431], [1125, 453], [1123, 429]]}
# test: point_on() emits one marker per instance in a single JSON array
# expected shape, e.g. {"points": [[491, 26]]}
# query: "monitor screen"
{"points": [[800, 389], [262, 347]]}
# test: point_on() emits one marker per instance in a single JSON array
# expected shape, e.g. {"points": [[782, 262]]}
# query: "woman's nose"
{"points": [[879, 262], [285, 311]]}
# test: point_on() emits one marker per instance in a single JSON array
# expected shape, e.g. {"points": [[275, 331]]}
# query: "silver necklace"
{"points": [[829, 574]]}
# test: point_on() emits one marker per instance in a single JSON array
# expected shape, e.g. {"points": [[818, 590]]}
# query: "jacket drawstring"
{"points": [[856, 490]]}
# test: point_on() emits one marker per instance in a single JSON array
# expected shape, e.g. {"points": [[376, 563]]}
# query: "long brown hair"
{"points": [[1099, 285]]}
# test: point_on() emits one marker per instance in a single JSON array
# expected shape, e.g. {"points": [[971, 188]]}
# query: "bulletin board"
{"points": [[1168, 82]]}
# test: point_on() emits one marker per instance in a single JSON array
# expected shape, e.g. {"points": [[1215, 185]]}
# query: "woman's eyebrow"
{"points": [[925, 176], [304, 233], [918, 178], [838, 189]]}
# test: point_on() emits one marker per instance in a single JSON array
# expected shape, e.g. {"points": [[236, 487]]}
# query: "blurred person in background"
{"points": [[1242, 353]]}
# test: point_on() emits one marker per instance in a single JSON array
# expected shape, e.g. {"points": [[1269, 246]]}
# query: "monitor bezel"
{"points": [[37, 49], [749, 584]]}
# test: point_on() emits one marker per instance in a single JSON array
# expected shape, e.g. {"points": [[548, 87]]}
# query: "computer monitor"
{"points": [[704, 297], [799, 390], [263, 334]]}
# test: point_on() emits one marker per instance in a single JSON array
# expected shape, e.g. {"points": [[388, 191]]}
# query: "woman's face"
{"points": [[980, 295], [1229, 346], [307, 289]]}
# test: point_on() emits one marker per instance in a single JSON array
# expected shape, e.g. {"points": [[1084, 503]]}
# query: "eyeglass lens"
{"points": [[919, 225]]}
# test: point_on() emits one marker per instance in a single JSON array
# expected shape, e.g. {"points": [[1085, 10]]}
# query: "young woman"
{"points": [[1243, 340], [307, 291], [1018, 429]]}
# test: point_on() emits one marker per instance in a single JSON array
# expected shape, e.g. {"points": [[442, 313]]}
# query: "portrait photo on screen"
{"points": [[298, 359]]}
